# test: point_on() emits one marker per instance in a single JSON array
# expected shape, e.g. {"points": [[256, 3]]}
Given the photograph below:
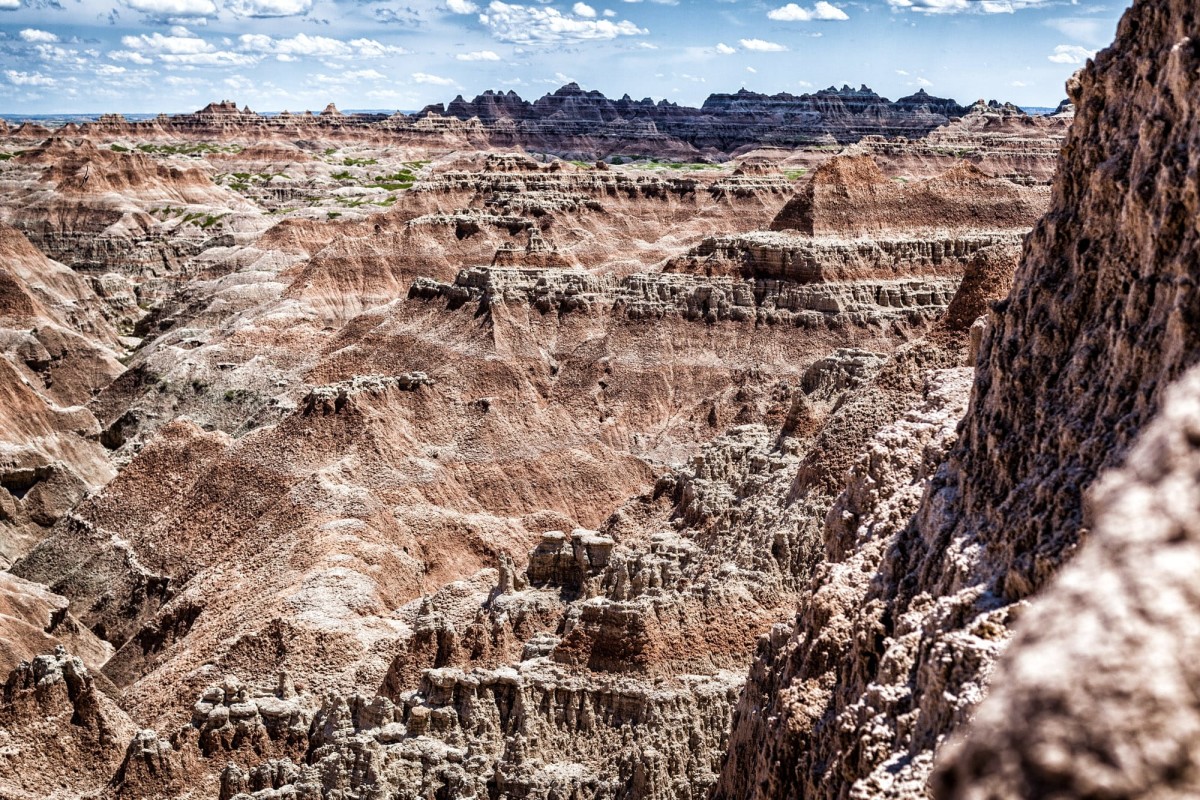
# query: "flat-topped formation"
{"points": [[693, 297]]}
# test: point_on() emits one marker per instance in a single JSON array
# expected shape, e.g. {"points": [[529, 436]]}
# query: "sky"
{"points": [[147, 56]]}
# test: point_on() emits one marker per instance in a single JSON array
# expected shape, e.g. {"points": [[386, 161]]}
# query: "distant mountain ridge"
{"points": [[576, 123], [573, 99]]}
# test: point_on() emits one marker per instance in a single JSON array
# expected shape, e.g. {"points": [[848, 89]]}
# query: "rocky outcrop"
{"points": [[1093, 697], [850, 196], [793, 258], [654, 296], [880, 667], [60, 736]]}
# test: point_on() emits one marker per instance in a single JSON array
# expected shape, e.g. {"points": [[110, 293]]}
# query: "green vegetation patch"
{"points": [[188, 149], [204, 221]]}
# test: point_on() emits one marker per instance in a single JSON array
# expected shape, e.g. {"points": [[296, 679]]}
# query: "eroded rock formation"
{"points": [[898, 637], [440, 471]]}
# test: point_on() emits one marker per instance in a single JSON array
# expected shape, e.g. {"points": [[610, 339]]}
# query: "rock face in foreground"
{"points": [[897, 638], [1095, 698]]}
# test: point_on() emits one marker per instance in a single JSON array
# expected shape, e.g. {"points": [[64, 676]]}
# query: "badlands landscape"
{"points": [[790, 446]]}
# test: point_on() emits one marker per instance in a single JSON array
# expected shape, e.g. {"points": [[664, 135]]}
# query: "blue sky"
{"points": [[176, 55]]}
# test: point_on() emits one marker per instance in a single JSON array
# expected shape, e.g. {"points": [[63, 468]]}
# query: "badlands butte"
{"points": [[819, 446]]}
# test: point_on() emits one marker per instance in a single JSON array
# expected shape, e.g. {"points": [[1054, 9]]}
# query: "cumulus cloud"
{"points": [[725, 49], [130, 56], [461, 6], [433, 80], [1071, 54], [179, 42], [761, 45], [822, 11], [478, 55], [34, 35], [583, 10], [969, 6], [302, 45], [533, 25], [217, 58], [269, 8], [28, 78], [364, 75], [174, 8], [9, 5], [180, 48]]}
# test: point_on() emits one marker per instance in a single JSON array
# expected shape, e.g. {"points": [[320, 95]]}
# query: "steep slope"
{"points": [[57, 350], [897, 638]]}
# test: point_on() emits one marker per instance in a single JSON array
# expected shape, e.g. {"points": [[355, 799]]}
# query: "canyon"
{"points": [[792, 446]]}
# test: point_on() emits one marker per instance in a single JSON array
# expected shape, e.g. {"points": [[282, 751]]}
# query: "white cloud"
{"points": [[532, 25], [608, 12], [109, 70], [60, 55], [175, 44], [9, 5], [363, 75], [1071, 54], [433, 80], [725, 49], [174, 8], [181, 48], [28, 78], [821, 11], [461, 6], [370, 48], [130, 56], [583, 10], [752, 70], [971, 6], [924, 82], [34, 35], [217, 58], [478, 55], [761, 45], [269, 8], [303, 45]]}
